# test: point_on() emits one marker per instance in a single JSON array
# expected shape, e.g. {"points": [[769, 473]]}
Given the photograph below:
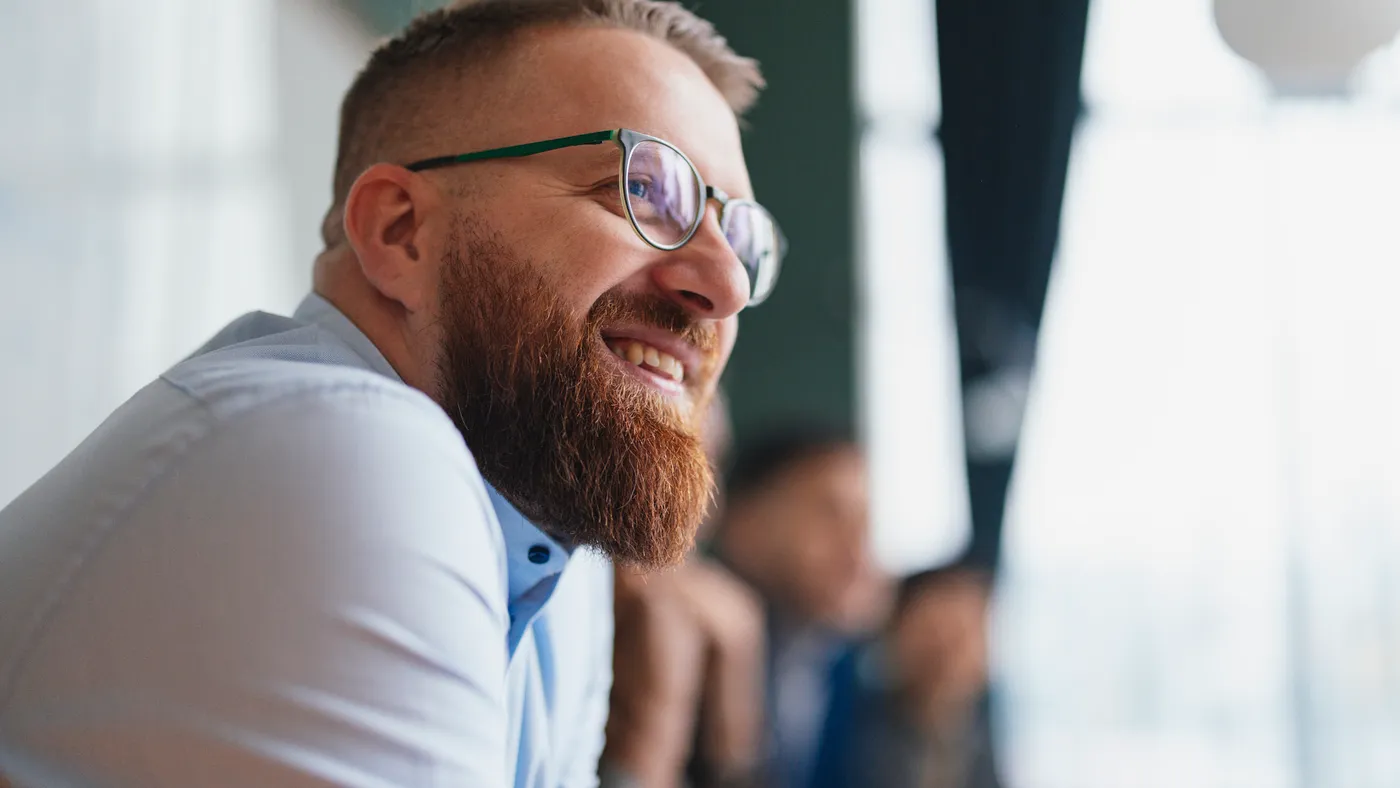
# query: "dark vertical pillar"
{"points": [[1010, 78]]}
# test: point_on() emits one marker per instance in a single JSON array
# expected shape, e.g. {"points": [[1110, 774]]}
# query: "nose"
{"points": [[704, 277]]}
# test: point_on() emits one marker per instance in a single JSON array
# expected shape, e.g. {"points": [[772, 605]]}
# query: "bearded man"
{"points": [[348, 547]]}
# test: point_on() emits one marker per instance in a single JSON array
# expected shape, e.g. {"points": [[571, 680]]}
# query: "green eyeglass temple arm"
{"points": [[516, 151]]}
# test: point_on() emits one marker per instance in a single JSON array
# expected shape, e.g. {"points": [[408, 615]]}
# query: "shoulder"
{"points": [[314, 435], [233, 381], [319, 572], [332, 451], [326, 485], [287, 422], [326, 518]]}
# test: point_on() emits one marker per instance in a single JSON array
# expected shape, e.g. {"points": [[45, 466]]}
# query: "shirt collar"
{"points": [[534, 561], [321, 313]]}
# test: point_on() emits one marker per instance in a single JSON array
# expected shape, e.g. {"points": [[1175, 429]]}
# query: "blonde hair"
{"points": [[380, 107]]}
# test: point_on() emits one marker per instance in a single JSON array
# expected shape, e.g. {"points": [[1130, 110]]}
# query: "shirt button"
{"points": [[539, 554]]}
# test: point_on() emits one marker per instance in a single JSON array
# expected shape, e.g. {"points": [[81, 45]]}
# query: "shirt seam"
{"points": [[101, 534]]}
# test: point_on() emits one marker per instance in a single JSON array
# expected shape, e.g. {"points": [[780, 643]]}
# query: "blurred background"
{"points": [[1197, 556]]}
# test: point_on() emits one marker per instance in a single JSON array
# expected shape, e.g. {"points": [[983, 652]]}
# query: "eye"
{"points": [[638, 188]]}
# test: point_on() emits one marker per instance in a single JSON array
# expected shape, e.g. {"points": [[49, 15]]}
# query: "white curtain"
{"points": [[156, 162], [910, 401], [1204, 541]]}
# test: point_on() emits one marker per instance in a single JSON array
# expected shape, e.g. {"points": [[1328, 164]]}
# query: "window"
{"points": [[149, 178], [1205, 530], [910, 409]]}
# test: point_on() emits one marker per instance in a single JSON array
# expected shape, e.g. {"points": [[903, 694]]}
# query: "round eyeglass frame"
{"points": [[628, 140]]}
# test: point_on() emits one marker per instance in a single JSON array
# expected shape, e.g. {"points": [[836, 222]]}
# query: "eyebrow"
{"points": [[597, 159]]}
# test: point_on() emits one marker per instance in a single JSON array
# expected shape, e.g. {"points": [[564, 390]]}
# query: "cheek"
{"points": [[580, 275], [581, 250], [586, 271], [728, 334], [425, 335]]}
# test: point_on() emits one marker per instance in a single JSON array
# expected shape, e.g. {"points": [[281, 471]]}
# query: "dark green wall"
{"points": [[389, 16], [796, 352]]}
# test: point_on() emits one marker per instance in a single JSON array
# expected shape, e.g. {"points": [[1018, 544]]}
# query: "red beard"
{"points": [[590, 456]]}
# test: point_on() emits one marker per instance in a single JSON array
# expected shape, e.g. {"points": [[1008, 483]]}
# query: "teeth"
{"points": [[672, 366], [639, 354]]}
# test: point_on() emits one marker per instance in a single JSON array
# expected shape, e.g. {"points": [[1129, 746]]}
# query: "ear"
{"points": [[386, 213]]}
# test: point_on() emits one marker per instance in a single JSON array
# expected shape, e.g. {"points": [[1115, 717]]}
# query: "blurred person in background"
{"points": [[910, 709], [796, 528], [341, 547], [687, 698]]}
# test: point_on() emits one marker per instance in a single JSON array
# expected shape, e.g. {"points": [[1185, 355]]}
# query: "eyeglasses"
{"points": [[665, 200]]}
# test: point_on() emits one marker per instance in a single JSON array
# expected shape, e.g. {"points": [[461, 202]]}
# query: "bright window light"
{"points": [[145, 186], [1200, 553], [908, 355]]}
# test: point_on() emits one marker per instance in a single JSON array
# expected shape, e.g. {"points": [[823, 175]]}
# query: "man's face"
{"points": [[810, 529], [547, 297]]}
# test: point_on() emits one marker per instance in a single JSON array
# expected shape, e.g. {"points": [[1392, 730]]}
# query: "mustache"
{"points": [[656, 312]]}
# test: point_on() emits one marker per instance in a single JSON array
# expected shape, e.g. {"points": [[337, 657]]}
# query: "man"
{"points": [[344, 547], [797, 528], [910, 709]]}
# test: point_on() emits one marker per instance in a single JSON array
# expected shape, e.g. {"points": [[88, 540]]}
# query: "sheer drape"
{"points": [[910, 411], [1199, 585], [151, 169]]}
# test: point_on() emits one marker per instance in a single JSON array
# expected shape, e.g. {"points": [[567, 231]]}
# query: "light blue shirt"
{"points": [[278, 565]]}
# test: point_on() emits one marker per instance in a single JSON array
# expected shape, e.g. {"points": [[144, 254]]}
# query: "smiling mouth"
{"points": [[648, 359]]}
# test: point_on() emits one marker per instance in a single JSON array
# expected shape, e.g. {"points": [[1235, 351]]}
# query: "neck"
{"points": [[338, 279]]}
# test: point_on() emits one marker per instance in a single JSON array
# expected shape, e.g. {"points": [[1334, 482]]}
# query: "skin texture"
{"points": [[416, 250]]}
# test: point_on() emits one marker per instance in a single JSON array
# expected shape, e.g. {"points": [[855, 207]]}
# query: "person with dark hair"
{"points": [[358, 545], [796, 528], [910, 709]]}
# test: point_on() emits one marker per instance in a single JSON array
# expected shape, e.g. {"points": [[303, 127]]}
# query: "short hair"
{"points": [[468, 33], [756, 465]]}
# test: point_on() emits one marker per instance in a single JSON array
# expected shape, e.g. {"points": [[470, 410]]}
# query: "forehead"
{"points": [[558, 82]]}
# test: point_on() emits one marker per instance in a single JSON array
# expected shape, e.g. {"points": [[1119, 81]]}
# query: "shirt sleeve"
{"points": [[313, 593]]}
